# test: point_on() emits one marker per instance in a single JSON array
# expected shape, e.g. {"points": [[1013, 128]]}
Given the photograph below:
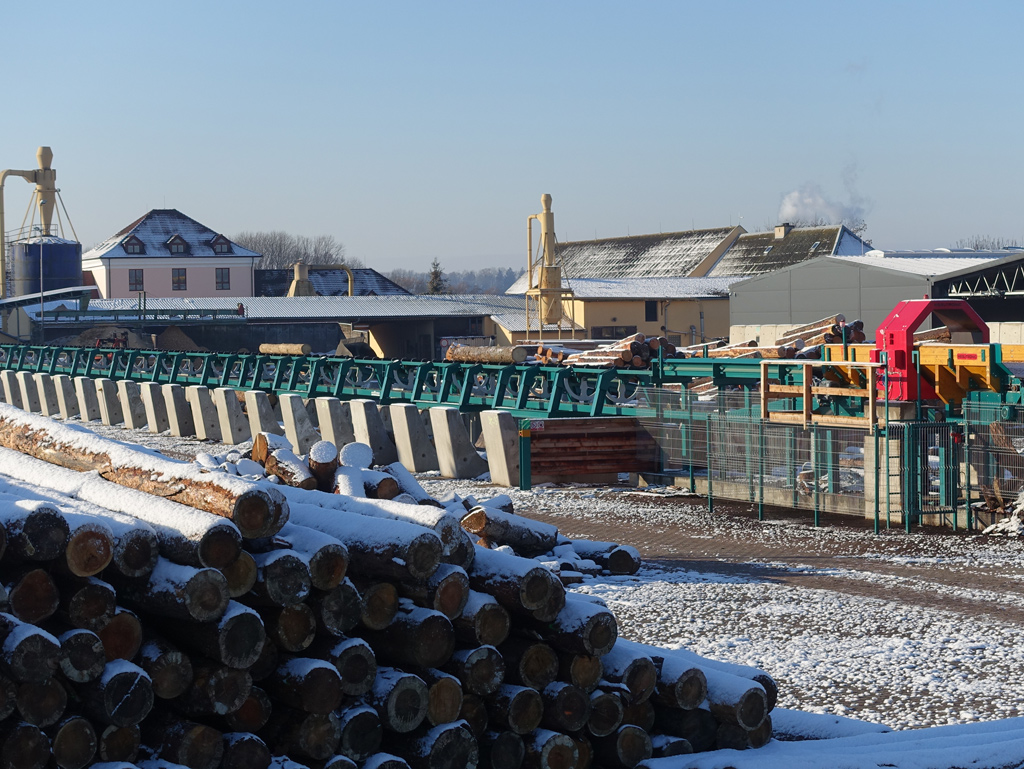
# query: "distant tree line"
{"points": [[489, 280], [986, 243], [282, 249]]}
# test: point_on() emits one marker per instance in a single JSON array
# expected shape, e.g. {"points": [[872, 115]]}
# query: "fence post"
{"points": [[525, 482], [760, 470], [878, 464], [967, 476], [814, 470], [711, 495]]}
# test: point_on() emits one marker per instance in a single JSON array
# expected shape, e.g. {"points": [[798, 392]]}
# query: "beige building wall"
{"points": [[675, 316]]}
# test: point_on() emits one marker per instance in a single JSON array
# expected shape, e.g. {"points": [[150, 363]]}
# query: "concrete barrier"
{"points": [[88, 404], [261, 414], [47, 395], [204, 413], [369, 429], [132, 407], [234, 427], [415, 450], [456, 456], [67, 400], [110, 404], [179, 413], [501, 437], [156, 408], [298, 428], [12, 392], [335, 418], [29, 391]]}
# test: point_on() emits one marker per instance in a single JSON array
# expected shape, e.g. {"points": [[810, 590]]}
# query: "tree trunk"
{"points": [[361, 732], [625, 748], [606, 713], [292, 628], [306, 684], [89, 550], [476, 354], [516, 583], [240, 575], [290, 469], [416, 636], [244, 751], [474, 713], [446, 591], [178, 592], [326, 557], [122, 696], [581, 670], [215, 690], [282, 579], [527, 537], [400, 699], [42, 702], [379, 603], [169, 668], [235, 640], [253, 714], [529, 663], [323, 463], [501, 750], [616, 558], [628, 666], [265, 444], [483, 621], [32, 595], [566, 707], [122, 636], [449, 746], [73, 742], [378, 485], [639, 714], [549, 750], [444, 696], [337, 611], [28, 654], [33, 531], [119, 743], [582, 627], [82, 657], [88, 604], [185, 742], [697, 726], [518, 708], [23, 746], [479, 670], [665, 746]]}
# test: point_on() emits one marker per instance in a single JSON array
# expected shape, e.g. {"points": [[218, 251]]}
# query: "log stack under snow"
{"points": [[312, 619]]}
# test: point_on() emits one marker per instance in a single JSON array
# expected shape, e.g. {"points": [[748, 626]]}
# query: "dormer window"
{"points": [[134, 246], [768, 250], [177, 245], [221, 245], [816, 244]]}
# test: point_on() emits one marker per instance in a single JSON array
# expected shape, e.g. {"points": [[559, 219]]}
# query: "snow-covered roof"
{"points": [[515, 322], [156, 229], [327, 281], [671, 254], [758, 252], [332, 307], [650, 288], [928, 263]]}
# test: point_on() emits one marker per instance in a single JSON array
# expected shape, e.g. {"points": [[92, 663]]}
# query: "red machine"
{"points": [[895, 338]]}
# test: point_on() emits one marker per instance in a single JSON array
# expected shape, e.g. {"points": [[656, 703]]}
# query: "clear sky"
{"points": [[415, 130]]}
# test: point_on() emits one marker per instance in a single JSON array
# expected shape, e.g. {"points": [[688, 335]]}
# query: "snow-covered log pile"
{"points": [[263, 624]]}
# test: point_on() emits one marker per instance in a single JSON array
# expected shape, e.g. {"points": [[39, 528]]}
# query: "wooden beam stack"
{"points": [[293, 627]]}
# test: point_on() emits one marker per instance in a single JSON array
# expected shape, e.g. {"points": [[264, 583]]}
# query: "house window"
{"points": [[177, 245], [612, 332], [177, 248], [133, 246], [178, 282], [135, 280], [650, 312], [768, 250], [816, 244], [223, 278], [221, 248]]}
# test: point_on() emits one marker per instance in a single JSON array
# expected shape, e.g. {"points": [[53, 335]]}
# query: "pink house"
{"points": [[167, 254]]}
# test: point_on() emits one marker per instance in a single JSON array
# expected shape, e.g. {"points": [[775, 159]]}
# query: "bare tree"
{"points": [[986, 243], [282, 249]]}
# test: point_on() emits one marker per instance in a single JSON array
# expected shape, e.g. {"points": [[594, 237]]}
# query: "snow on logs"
{"points": [[334, 627]]}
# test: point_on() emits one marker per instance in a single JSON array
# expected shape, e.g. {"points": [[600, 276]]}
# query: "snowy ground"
{"points": [[912, 630]]}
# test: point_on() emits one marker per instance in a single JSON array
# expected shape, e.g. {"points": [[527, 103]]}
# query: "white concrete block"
{"points": [[369, 429], [88, 403], [179, 413], [501, 437], [110, 403], [415, 450], [29, 392], [67, 399], [261, 414], [298, 428], [456, 456], [47, 395], [234, 427], [335, 418], [156, 408], [204, 413], [12, 392], [132, 407]]}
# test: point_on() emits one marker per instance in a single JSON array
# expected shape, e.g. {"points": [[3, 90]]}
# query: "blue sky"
{"points": [[419, 130]]}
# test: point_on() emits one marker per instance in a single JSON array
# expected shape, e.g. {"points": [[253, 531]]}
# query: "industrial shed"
{"points": [[869, 286]]}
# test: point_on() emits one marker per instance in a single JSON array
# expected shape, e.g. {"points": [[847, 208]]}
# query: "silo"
{"points": [[61, 262]]}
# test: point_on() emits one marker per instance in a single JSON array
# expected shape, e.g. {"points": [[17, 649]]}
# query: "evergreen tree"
{"points": [[436, 282]]}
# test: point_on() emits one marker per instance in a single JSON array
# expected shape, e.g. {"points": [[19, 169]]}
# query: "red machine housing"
{"points": [[895, 338]]}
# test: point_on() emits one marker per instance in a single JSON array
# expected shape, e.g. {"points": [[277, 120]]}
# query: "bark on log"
{"points": [[555, 603], [416, 636], [308, 735], [303, 683], [285, 348], [243, 750], [379, 603], [8, 696], [90, 547], [606, 713], [122, 636], [267, 662], [88, 604], [665, 746], [625, 748], [444, 696], [475, 354], [240, 575], [323, 463], [528, 662], [257, 511], [378, 761], [566, 707], [474, 713], [215, 690], [697, 726], [501, 750], [386, 548], [253, 714], [584, 749], [32, 595], [23, 745], [178, 592], [628, 666], [639, 714], [290, 469], [480, 671], [292, 628], [28, 653], [337, 611], [519, 584], [581, 670], [73, 742], [33, 531], [282, 579], [169, 668], [41, 702], [734, 699], [82, 656], [185, 742], [399, 698], [549, 750], [483, 621], [582, 627], [448, 746], [361, 732], [265, 444], [235, 640], [528, 538], [618, 559], [119, 743], [354, 660], [121, 696], [408, 484], [518, 708], [446, 591], [378, 485], [680, 683], [324, 556]]}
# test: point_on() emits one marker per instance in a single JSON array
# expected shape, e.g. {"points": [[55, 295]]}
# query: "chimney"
{"points": [[782, 230], [300, 283]]}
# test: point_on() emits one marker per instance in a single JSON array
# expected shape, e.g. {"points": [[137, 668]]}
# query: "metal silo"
{"points": [[59, 260]]}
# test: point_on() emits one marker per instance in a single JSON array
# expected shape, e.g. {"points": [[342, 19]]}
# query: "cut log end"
{"points": [[220, 547]]}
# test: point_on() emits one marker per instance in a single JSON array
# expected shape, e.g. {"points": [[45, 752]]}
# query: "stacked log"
{"points": [[338, 627], [633, 352]]}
